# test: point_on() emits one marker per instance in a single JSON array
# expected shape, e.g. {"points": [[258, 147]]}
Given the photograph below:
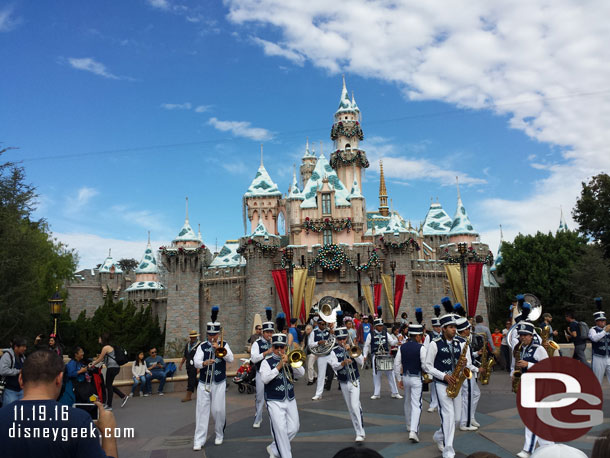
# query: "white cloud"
{"points": [[81, 199], [546, 67], [176, 106], [202, 108], [7, 22], [272, 49], [160, 4], [89, 64], [144, 219], [241, 129]]}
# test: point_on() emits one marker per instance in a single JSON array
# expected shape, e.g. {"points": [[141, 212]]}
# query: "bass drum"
{"points": [[384, 363]]}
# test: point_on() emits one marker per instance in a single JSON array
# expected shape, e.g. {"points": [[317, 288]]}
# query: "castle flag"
{"points": [[454, 274], [368, 295], [387, 287], [298, 284], [281, 286]]}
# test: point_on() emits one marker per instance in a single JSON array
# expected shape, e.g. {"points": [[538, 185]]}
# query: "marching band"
{"points": [[450, 359]]}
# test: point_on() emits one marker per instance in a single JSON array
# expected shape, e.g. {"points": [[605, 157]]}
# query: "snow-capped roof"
{"points": [[437, 221], [261, 231], [145, 285], [294, 193], [309, 153], [489, 280], [106, 266], [345, 104], [262, 185], [228, 256], [498, 259], [148, 264], [395, 225], [322, 170], [186, 234], [461, 224], [354, 106], [355, 192]]}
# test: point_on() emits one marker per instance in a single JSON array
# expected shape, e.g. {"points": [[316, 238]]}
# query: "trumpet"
{"points": [[296, 359]]}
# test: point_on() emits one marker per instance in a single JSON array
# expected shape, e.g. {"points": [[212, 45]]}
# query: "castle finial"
{"points": [[321, 148], [199, 232], [186, 220], [457, 183], [501, 235], [149, 237], [109, 252], [307, 144], [344, 82], [383, 192], [261, 155]]}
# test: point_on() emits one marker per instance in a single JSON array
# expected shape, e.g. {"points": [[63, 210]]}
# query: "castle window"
{"points": [[326, 204], [327, 237], [348, 146]]}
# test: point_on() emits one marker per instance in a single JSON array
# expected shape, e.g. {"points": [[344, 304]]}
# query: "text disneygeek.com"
{"points": [[17, 431]]}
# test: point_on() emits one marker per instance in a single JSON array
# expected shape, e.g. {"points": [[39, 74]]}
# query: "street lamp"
{"points": [[55, 304], [393, 267], [289, 256]]}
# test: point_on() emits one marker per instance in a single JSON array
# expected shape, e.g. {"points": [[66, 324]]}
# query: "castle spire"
{"points": [[261, 155], [199, 232], [457, 183], [186, 220], [148, 238], [562, 222], [383, 192]]}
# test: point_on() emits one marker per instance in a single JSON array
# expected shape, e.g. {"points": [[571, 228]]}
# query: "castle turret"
{"points": [[384, 210], [346, 134], [461, 227], [309, 164], [262, 200], [186, 237], [563, 226]]}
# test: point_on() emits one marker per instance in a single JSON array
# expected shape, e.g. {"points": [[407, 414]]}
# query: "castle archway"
{"points": [[348, 303]]}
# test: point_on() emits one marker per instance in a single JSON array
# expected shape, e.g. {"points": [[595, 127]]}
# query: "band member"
{"points": [[442, 356], [408, 370], [526, 308], [261, 348], [530, 354], [599, 335], [378, 345], [470, 392], [278, 377], [436, 332], [212, 384], [318, 338], [189, 353], [346, 367]]}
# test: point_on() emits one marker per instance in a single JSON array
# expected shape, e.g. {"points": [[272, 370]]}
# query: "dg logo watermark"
{"points": [[560, 399]]}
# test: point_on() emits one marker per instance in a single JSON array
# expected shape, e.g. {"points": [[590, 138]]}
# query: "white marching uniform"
{"points": [[433, 397], [413, 389], [530, 437], [449, 409], [471, 394], [283, 414], [377, 374], [212, 401], [322, 362], [257, 357], [351, 394], [600, 364]]}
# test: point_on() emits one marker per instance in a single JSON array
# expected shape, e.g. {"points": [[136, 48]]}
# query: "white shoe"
{"points": [[431, 409], [131, 395], [375, 396], [217, 441], [196, 448], [359, 438], [397, 396], [316, 398], [413, 437], [108, 408], [160, 393], [440, 446], [270, 452], [523, 454], [475, 423], [468, 428], [257, 424]]}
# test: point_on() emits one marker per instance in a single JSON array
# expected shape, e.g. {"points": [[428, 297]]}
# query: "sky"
{"points": [[119, 110]]}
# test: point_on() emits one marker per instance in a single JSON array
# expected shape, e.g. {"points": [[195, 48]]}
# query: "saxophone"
{"points": [[486, 362], [517, 372], [549, 345], [460, 373]]}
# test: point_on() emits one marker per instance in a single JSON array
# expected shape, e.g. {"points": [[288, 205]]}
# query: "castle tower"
{"points": [[461, 227], [563, 226], [309, 164], [293, 202], [346, 134], [384, 210], [358, 207], [262, 200], [111, 276]]}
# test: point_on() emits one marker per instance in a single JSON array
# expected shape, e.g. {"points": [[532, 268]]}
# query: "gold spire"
{"points": [[383, 192]]}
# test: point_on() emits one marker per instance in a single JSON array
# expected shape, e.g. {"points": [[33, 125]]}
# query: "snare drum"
{"points": [[384, 363]]}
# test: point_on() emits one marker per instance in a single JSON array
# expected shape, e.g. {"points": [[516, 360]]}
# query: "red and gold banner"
{"points": [[399, 287], [475, 273], [281, 286]]}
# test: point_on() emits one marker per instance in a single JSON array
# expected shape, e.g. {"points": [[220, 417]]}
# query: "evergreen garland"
{"points": [[412, 242], [359, 159], [170, 251], [264, 248], [332, 257], [349, 129], [327, 223], [471, 257]]}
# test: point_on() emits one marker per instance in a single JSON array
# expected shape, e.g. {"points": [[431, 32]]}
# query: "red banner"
{"points": [[377, 293], [281, 286], [475, 273], [399, 287]]}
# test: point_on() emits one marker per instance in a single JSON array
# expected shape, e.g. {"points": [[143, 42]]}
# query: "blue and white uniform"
{"points": [[380, 342], [316, 336], [256, 357], [600, 344], [408, 366], [350, 387]]}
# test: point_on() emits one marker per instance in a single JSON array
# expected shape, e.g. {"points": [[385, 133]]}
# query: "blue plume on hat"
{"points": [[520, 299], [269, 313], [419, 315], [598, 303], [280, 322], [447, 304], [437, 310], [526, 308], [459, 309], [215, 311], [379, 311], [339, 319]]}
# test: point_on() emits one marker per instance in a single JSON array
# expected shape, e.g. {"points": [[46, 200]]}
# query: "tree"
{"points": [[32, 262], [592, 211], [127, 264]]}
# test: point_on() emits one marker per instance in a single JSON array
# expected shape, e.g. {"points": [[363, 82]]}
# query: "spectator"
{"points": [[139, 373], [156, 365], [547, 320], [403, 318], [505, 356], [363, 331], [480, 328], [52, 344], [11, 363], [74, 374], [496, 336], [188, 356], [601, 447], [311, 358], [357, 320], [294, 332], [107, 355], [573, 335], [351, 330], [41, 379], [258, 332]]}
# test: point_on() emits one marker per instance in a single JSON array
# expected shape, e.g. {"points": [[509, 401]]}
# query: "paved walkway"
{"points": [[164, 426]]}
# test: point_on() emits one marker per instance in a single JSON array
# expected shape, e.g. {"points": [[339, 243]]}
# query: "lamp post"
{"points": [[290, 257], [393, 267], [463, 251], [55, 304]]}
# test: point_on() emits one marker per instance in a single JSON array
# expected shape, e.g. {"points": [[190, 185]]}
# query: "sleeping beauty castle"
{"points": [[314, 240]]}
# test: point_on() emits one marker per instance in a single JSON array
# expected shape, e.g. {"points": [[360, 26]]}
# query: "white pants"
{"points": [[471, 394], [530, 441], [214, 401], [311, 367], [433, 397], [377, 380], [351, 394], [260, 398], [448, 411], [413, 387], [601, 366], [322, 363], [284, 419]]}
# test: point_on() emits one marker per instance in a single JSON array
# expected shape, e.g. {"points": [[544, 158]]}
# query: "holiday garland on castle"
{"points": [[411, 242], [471, 257], [188, 251], [285, 261], [359, 158], [349, 129], [259, 245], [332, 257], [328, 223]]}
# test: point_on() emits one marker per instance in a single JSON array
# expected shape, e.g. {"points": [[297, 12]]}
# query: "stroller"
{"points": [[245, 377]]}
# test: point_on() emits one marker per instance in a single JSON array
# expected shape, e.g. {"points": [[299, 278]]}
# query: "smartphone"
{"points": [[88, 407]]}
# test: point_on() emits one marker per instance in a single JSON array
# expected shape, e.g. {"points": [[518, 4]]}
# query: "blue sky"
{"points": [[121, 109]]}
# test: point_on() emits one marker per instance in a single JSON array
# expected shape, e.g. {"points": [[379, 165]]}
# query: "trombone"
{"points": [[296, 359], [353, 352], [219, 353]]}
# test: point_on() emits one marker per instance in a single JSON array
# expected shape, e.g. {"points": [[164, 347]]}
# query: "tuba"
{"points": [[460, 373], [487, 362], [328, 307], [535, 313]]}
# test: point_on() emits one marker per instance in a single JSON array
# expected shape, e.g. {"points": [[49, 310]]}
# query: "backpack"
{"points": [[120, 355], [170, 369], [583, 330]]}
